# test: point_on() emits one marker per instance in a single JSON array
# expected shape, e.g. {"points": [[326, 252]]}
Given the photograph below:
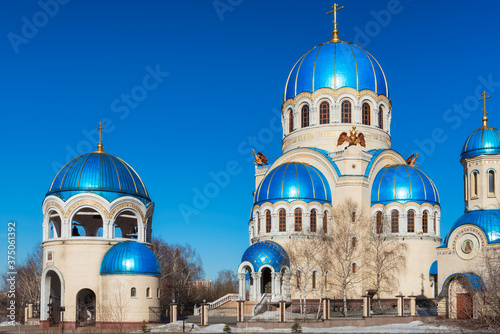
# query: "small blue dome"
{"points": [[293, 182], [130, 258], [484, 140], [336, 65], [487, 220], [266, 253], [100, 173], [403, 184]]}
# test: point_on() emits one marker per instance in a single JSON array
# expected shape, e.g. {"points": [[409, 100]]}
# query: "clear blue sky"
{"points": [[221, 76]]}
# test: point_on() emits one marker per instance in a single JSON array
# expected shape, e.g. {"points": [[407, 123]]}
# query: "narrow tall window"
{"points": [[354, 242], [298, 279], [381, 117], [346, 112], [491, 182], [325, 222], [133, 292], [395, 221], [258, 223], [305, 116], [474, 183], [379, 224], [298, 220], [290, 122], [425, 222], [268, 221], [148, 293], [326, 281], [435, 222], [314, 279], [411, 221], [282, 217], [366, 114], [353, 216], [324, 113], [313, 224], [354, 268]]}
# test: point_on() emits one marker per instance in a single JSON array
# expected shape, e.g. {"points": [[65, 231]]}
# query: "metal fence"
{"points": [[304, 312], [159, 315]]}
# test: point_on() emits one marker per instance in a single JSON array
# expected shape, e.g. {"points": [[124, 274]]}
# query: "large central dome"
{"points": [[335, 65]]}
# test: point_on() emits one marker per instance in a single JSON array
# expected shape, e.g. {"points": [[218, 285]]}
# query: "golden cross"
{"points": [[484, 98], [100, 132], [334, 11]]}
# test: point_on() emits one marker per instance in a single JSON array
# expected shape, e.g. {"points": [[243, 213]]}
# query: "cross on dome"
{"points": [[100, 146], [484, 98], [335, 31]]}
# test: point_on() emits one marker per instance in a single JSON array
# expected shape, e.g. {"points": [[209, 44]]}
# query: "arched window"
{"points": [[379, 224], [491, 182], [395, 221], [353, 216], [312, 221], [411, 221], [268, 221], [474, 183], [258, 223], [133, 292], [425, 222], [290, 122], [435, 222], [148, 293], [366, 114], [298, 220], [354, 268], [346, 112], [381, 117], [354, 242], [314, 279], [325, 222], [324, 113], [305, 116], [282, 218]]}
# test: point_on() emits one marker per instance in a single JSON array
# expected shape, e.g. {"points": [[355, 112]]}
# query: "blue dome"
{"points": [[266, 253], [336, 65], [403, 184], [487, 220], [100, 173], [293, 182], [130, 258], [484, 140]]}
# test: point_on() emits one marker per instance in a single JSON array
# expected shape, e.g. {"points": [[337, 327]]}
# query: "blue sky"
{"points": [[220, 73]]}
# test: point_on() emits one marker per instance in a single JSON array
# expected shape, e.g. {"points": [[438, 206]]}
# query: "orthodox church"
{"points": [[97, 266], [336, 119]]}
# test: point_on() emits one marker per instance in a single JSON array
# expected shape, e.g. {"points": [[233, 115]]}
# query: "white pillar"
{"points": [[288, 296], [276, 278], [65, 231], [254, 292], [241, 277], [258, 284]]}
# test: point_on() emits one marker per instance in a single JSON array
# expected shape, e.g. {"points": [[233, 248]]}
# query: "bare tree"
{"points": [[310, 259], [349, 227], [385, 259]]}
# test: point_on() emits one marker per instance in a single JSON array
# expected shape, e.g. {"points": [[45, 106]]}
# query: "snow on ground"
{"points": [[412, 327]]}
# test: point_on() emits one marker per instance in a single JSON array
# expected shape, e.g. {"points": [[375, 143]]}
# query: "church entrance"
{"points": [[85, 308], [266, 281], [464, 306]]}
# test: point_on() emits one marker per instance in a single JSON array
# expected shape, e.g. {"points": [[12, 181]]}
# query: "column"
{"points": [[326, 309], [335, 113], [173, 312], [401, 305], [204, 314], [240, 312], [287, 296], [356, 113], [366, 306], [282, 311], [65, 229], [276, 277], [257, 283], [242, 293], [413, 305], [313, 116]]}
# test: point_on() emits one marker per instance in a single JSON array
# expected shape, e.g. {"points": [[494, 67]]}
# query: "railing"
{"points": [[263, 299], [223, 300]]}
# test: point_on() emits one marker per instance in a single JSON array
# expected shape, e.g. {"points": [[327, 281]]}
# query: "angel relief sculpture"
{"points": [[260, 159], [354, 138]]}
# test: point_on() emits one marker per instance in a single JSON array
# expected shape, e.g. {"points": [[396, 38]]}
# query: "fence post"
{"points": [[401, 305], [240, 312], [173, 312], [282, 310], [326, 309], [366, 306], [413, 306], [204, 314]]}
